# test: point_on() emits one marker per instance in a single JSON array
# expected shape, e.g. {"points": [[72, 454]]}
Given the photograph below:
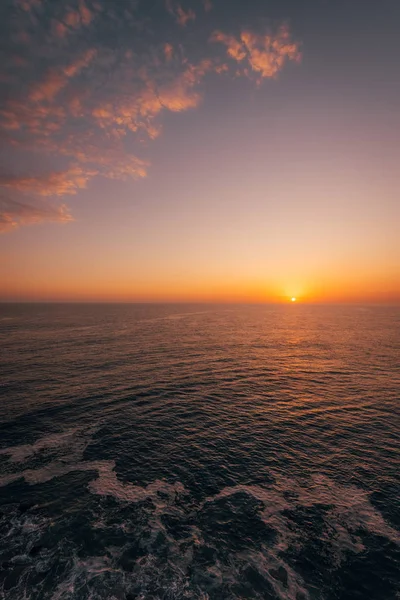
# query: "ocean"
{"points": [[199, 452]]}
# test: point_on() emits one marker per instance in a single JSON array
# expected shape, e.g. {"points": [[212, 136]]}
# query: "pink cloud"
{"points": [[88, 107], [181, 15], [58, 183], [60, 30], [85, 14], [49, 87], [28, 5], [265, 55], [36, 119], [55, 81], [14, 214], [168, 51], [113, 162], [137, 110], [74, 19], [80, 63], [235, 48], [80, 17]]}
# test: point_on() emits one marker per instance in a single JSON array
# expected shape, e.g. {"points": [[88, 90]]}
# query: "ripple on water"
{"points": [[169, 452]]}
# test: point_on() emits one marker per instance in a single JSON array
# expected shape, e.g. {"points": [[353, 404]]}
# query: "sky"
{"points": [[200, 150]]}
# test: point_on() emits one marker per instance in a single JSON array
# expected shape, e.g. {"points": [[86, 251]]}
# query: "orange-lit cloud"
{"points": [[113, 164], [55, 81], [182, 16], [52, 184], [235, 48], [74, 19], [40, 191], [28, 5], [168, 51], [139, 109], [32, 120], [13, 214], [266, 55], [80, 63], [88, 107], [82, 16]]}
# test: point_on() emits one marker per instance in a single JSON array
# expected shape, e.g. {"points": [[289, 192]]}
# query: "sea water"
{"points": [[199, 452]]}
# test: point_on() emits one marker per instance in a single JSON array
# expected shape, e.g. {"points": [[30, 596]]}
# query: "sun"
{"points": [[293, 299]]}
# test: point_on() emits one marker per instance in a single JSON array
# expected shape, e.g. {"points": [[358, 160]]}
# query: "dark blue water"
{"points": [[199, 452]]}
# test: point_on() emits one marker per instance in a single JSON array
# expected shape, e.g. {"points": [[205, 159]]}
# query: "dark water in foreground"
{"points": [[199, 452]]}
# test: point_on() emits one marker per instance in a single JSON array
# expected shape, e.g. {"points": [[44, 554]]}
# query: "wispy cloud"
{"points": [[57, 79], [181, 15], [59, 183], [168, 51], [26, 200], [28, 5], [13, 214]]}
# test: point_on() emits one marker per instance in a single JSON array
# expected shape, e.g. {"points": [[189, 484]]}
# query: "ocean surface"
{"points": [[199, 452]]}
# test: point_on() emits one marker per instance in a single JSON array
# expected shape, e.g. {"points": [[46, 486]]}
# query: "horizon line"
{"points": [[212, 302]]}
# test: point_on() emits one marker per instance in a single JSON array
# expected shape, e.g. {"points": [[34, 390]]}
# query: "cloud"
{"points": [[114, 163], [235, 48], [41, 190], [73, 19], [137, 109], [80, 17], [14, 214], [265, 54], [38, 114], [55, 80], [28, 5], [86, 85], [31, 121], [58, 183], [168, 51], [181, 16], [80, 63]]}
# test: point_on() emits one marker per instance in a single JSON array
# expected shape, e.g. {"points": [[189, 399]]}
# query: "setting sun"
{"points": [[293, 299]]}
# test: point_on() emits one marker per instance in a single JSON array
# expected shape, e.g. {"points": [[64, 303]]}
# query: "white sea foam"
{"points": [[350, 510], [108, 484], [84, 571], [74, 440], [349, 507], [347, 512]]}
